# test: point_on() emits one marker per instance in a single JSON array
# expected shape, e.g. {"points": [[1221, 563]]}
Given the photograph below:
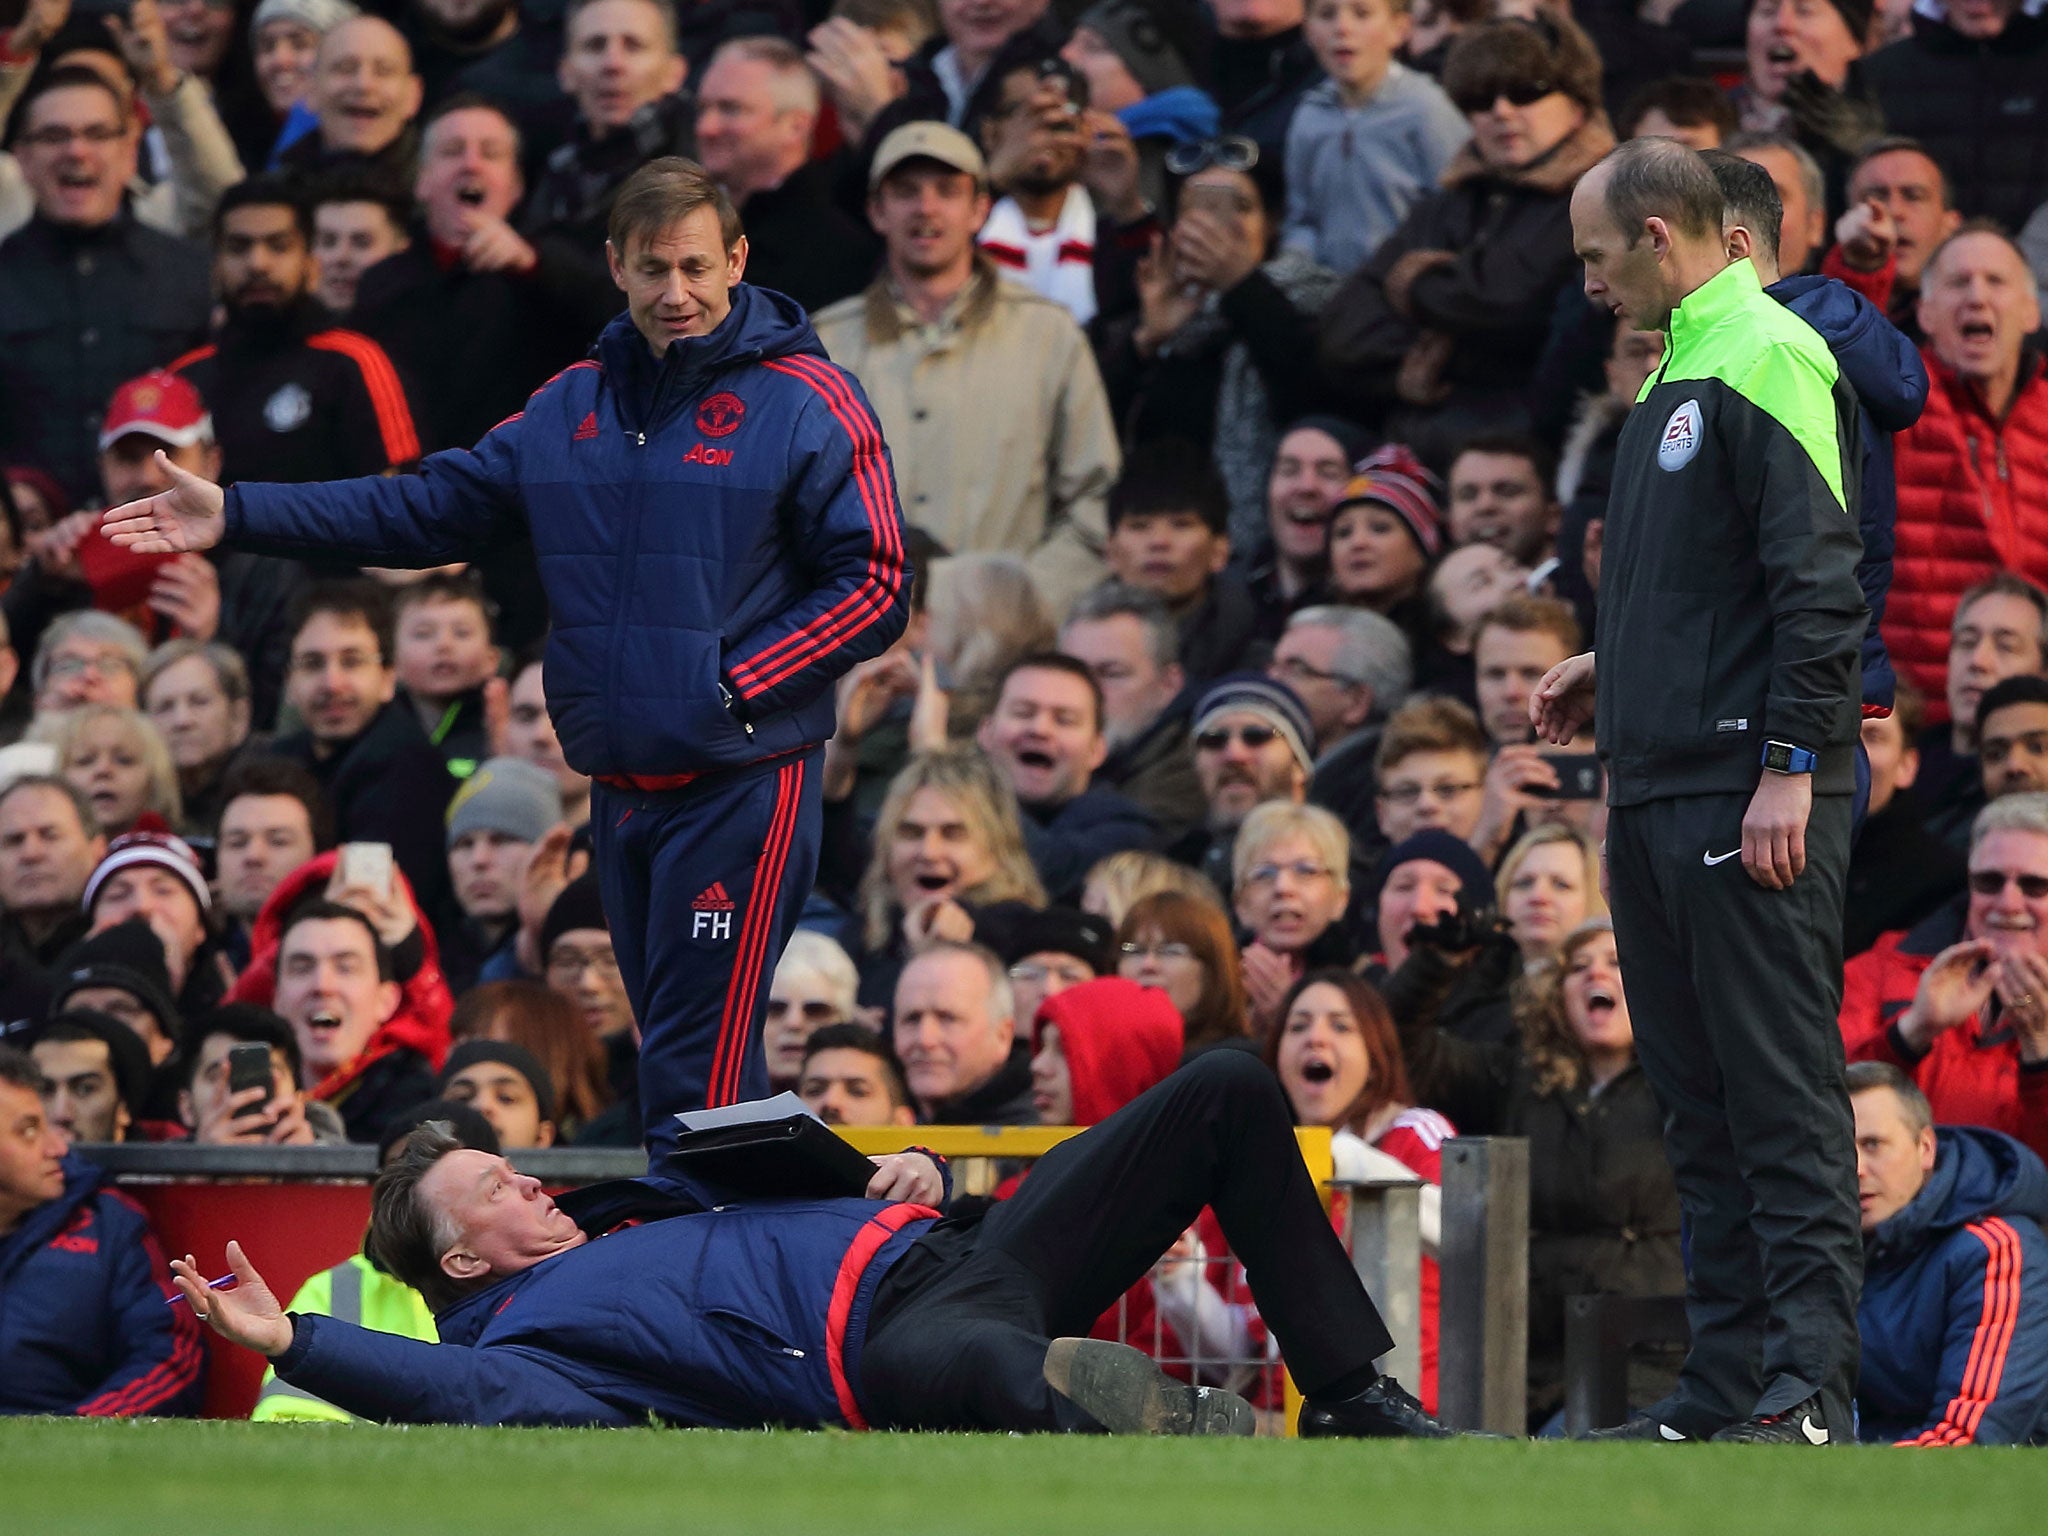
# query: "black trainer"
{"points": [[1383, 1411], [1124, 1390], [1801, 1424], [1640, 1426]]}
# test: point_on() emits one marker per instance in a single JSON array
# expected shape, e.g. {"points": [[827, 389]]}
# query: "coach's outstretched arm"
{"points": [[383, 1376], [458, 503]]}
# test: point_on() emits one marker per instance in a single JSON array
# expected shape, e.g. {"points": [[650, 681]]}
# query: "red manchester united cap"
{"points": [[158, 405]]}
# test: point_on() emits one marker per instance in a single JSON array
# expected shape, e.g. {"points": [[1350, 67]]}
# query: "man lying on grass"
{"points": [[847, 1312]]}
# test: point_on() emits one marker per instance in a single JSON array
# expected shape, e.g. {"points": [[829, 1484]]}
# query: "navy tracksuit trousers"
{"points": [[702, 887]]}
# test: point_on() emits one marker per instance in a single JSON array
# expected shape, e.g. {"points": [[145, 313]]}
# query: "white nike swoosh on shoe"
{"points": [[1711, 859], [1815, 1435], [1666, 1432]]}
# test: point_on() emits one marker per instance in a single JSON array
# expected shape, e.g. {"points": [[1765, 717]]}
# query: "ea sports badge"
{"points": [[1681, 438]]}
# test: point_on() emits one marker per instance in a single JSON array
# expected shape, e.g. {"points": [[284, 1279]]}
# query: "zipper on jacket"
{"points": [[640, 439]]}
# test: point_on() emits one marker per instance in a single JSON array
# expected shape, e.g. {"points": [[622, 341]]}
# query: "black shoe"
{"points": [[1640, 1426], [1382, 1411], [1801, 1424], [1125, 1391]]}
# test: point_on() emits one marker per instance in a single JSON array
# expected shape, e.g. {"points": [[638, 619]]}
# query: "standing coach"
{"points": [[717, 529], [1728, 710]]}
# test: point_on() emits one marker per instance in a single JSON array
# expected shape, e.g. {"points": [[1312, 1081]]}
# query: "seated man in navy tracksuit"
{"points": [[1954, 1313], [83, 1325], [717, 528], [846, 1312]]}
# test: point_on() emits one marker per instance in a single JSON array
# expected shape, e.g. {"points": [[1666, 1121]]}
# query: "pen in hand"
{"points": [[224, 1283]]}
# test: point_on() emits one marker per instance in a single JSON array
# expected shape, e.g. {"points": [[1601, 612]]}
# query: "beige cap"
{"points": [[926, 140]]}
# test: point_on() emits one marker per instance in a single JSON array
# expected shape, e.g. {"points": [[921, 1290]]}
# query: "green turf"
{"points": [[209, 1479]]}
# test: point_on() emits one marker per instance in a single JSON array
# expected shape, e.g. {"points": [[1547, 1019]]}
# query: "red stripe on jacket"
{"points": [[185, 360], [863, 605], [878, 588], [1991, 1342], [866, 1243], [178, 1370], [826, 631], [735, 1026], [387, 395]]}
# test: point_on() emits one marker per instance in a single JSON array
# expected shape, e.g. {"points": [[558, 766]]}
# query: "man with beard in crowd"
{"points": [[1041, 231], [292, 396]]}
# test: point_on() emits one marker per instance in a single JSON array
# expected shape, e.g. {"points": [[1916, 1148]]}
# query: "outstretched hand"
{"points": [[190, 516], [247, 1315]]}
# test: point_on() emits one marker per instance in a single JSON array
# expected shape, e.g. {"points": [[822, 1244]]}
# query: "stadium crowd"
{"points": [[1253, 435]]}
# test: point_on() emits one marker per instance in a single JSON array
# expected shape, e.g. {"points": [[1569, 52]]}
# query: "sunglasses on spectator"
{"points": [[1232, 152], [816, 1011], [1989, 882], [1253, 736], [1167, 951], [1519, 93]]}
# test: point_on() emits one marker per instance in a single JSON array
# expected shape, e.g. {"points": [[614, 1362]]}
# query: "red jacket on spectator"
{"points": [[1875, 286], [1973, 500], [1973, 1074], [424, 1004]]}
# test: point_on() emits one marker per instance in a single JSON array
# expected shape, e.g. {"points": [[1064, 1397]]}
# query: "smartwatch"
{"points": [[1783, 757]]}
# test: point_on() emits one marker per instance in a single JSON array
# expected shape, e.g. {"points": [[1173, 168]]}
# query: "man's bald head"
{"points": [[1660, 179], [363, 89], [1646, 222]]}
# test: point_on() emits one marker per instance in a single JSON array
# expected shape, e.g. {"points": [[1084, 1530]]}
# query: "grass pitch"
{"points": [[226, 1479]]}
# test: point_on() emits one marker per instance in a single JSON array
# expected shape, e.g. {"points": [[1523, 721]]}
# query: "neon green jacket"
{"points": [[353, 1291], [1730, 613]]}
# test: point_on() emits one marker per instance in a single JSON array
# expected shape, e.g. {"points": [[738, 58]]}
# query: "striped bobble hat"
{"points": [[1398, 481]]}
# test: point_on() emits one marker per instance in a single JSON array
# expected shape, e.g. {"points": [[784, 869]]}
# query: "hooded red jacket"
{"points": [[424, 1003], [1119, 1039]]}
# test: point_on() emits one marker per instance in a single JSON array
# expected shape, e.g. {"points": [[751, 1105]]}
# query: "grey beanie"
{"points": [[323, 16], [508, 795]]}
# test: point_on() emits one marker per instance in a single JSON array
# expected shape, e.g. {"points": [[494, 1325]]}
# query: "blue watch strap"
{"points": [[1783, 757]]}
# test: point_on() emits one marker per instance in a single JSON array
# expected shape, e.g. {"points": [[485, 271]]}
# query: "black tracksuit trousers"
{"points": [[960, 1325], [1734, 992]]}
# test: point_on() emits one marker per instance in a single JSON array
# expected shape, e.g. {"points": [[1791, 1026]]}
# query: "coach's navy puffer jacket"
{"points": [[1954, 1314], [720, 522], [737, 1317], [85, 1321], [1890, 381]]}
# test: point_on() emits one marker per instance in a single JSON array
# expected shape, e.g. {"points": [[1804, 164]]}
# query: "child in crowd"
{"points": [[1368, 140], [446, 659]]}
